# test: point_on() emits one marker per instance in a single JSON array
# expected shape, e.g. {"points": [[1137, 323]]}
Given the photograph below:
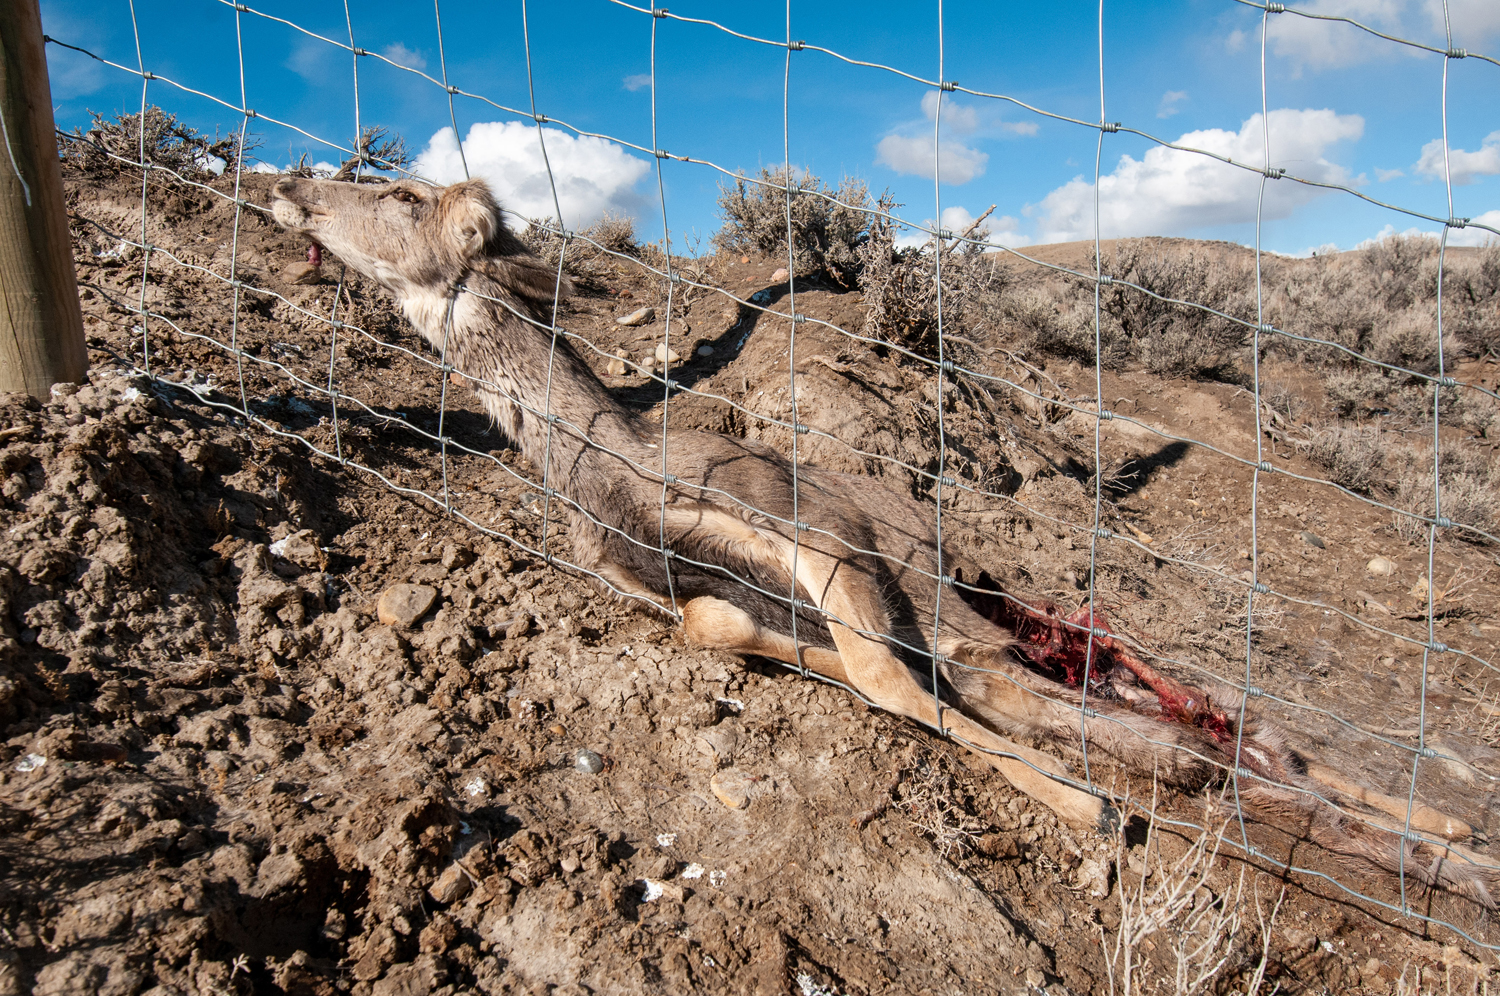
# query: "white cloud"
{"points": [[1465, 166], [1003, 231], [1019, 127], [1169, 102], [909, 149], [1477, 236], [1387, 232], [1475, 22], [1388, 174], [401, 55], [1328, 44], [960, 118], [958, 163], [1456, 237], [636, 82], [592, 176], [313, 60], [1169, 191]]}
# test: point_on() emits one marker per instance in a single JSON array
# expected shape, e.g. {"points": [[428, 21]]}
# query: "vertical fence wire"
{"points": [[1237, 768], [1099, 410], [658, 14], [1437, 484], [135, 28], [942, 436], [562, 255], [791, 350], [449, 88]]}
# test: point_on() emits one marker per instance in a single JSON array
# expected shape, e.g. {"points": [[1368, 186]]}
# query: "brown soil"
{"points": [[221, 773]]}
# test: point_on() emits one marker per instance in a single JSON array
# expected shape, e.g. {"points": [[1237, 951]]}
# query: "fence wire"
{"points": [[239, 409]]}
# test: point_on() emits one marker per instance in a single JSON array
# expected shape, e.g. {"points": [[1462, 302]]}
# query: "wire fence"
{"points": [[1252, 685]]}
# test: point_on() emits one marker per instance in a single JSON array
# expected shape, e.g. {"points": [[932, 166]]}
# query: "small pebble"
{"points": [[301, 272], [1381, 567], [616, 367], [664, 354], [732, 788], [587, 762], [779, 275], [640, 316], [1312, 539], [705, 351]]}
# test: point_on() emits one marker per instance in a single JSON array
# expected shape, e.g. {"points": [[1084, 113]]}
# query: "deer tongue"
{"points": [[315, 254]]}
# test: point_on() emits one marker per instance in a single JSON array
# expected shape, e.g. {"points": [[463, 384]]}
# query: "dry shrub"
{"points": [[1352, 455], [378, 150], [1403, 269], [1034, 319], [1384, 465], [1176, 339], [826, 236], [169, 143], [592, 253], [1470, 491], [900, 285]]}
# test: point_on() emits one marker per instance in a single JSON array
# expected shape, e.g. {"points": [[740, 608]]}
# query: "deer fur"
{"points": [[447, 251]]}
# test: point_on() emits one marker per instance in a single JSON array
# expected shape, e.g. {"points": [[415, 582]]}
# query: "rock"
{"points": [[302, 272], [587, 762], [719, 741], [617, 367], [1312, 539], [732, 788], [779, 275], [654, 889], [705, 350], [648, 362], [639, 316], [403, 604], [301, 548], [665, 354], [1381, 567], [451, 886]]}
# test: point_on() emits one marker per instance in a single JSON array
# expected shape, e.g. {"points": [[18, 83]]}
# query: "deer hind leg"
{"points": [[1002, 693], [873, 669], [713, 622], [864, 662]]}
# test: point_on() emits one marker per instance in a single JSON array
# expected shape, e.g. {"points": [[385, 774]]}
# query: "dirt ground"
{"points": [[221, 774]]}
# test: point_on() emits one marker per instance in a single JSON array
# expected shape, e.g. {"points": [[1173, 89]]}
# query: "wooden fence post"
{"points": [[41, 326]]}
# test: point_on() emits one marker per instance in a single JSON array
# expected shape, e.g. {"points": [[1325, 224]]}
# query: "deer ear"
{"points": [[470, 216]]}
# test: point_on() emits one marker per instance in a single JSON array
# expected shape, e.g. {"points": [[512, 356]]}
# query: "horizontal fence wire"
{"points": [[242, 411]]}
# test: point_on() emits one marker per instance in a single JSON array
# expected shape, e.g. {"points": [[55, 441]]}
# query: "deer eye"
{"points": [[406, 196]]}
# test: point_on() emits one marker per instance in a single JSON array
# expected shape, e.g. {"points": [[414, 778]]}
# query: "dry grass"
{"points": [[1175, 933], [168, 142], [901, 288], [591, 255], [1398, 468], [826, 236], [931, 807]]}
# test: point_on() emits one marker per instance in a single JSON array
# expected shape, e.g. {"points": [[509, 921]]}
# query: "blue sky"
{"points": [[1345, 107]]}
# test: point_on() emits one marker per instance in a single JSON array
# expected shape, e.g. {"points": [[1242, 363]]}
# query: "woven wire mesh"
{"points": [[237, 403]]}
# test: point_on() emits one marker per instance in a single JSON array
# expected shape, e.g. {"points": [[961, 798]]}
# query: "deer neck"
{"points": [[521, 375]]}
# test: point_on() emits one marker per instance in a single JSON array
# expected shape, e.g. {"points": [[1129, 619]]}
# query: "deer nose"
{"points": [[284, 187]]}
